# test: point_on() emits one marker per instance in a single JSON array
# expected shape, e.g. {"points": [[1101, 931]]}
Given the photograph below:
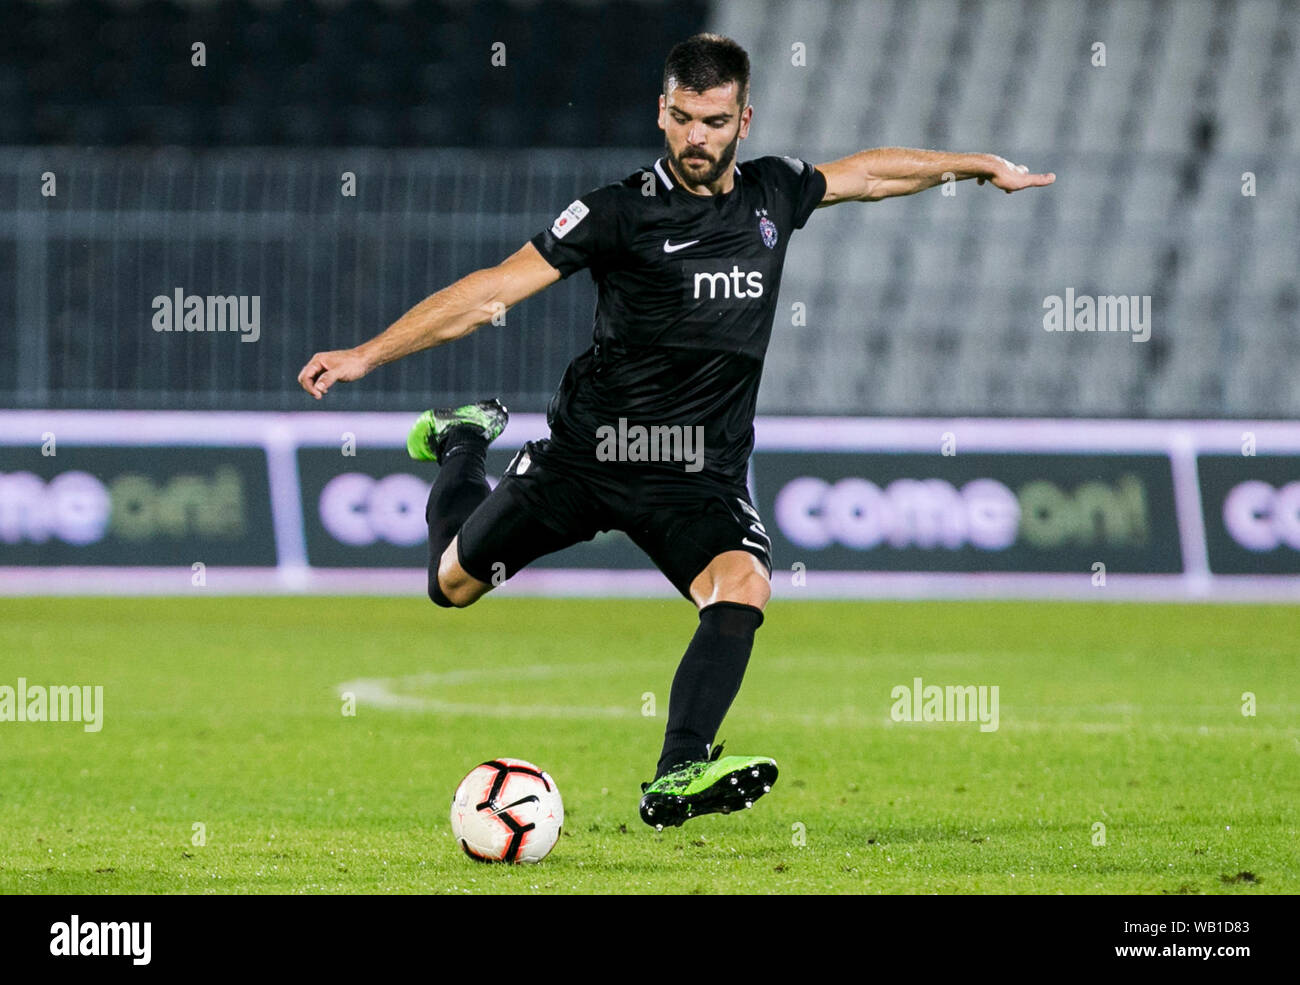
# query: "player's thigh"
{"points": [[698, 544], [525, 517]]}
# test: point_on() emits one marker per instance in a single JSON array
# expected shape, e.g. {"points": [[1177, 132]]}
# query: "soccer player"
{"points": [[687, 257]]}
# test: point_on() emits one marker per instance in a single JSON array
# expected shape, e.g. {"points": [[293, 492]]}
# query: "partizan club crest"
{"points": [[767, 227]]}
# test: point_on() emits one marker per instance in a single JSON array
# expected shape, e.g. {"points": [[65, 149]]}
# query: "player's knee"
{"points": [[449, 586], [454, 587], [451, 597], [751, 588], [452, 594], [759, 589], [436, 595]]}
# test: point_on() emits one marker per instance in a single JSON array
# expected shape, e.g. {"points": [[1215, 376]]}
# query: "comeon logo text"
{"points": [[1261, 517], [79, 508], [982, 513]]}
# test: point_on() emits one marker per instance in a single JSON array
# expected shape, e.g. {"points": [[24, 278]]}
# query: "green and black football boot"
{"points": [[429, 433], [719, 785]]}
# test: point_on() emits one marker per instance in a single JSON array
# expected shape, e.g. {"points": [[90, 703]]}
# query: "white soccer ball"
{"points": [[507, 810]]}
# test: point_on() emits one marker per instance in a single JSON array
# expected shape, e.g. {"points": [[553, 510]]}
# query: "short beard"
{"points": [[716, 171]]}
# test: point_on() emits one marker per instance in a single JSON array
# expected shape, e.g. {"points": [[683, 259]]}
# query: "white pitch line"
{"points": [[385, 692], [391, 693]]}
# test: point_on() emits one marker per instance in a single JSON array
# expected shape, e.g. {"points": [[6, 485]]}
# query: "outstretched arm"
{"points": [[885, 172], [452, 313]]}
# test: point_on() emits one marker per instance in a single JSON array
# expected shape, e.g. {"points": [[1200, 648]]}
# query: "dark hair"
{"points": [[707, 60]]}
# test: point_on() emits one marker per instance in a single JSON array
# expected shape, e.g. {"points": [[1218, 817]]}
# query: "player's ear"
{"points": [[746, 115], [662, 109]]}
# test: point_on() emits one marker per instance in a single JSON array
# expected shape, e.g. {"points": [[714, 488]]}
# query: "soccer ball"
{"points": [[507, 810]]}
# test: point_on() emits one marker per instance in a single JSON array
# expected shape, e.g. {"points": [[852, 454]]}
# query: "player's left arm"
{"points": [[886, 172]]}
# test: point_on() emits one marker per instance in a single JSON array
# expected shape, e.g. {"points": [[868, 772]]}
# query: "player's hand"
{"points": [[1013, 177], [325, 369]]}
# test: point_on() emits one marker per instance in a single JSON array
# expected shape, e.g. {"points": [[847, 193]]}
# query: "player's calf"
{"points": [[457, 438]]}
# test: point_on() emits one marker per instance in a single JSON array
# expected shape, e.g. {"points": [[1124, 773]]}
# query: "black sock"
{"points": [[707, 681], [461, 485]]}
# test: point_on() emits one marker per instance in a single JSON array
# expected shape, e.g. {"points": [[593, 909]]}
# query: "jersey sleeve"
{"points": [[803, 186], [585, 234]]}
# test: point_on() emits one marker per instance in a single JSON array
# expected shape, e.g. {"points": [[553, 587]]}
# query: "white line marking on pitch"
{"points": [[392, 693], [387, 692]]}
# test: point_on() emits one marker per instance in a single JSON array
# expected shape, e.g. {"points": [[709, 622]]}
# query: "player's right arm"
{"points": [[887, 172], [454, 312]]}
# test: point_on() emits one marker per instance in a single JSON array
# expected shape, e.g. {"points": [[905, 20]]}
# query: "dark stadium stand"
{"points": [[931, 304], [301, 73]]}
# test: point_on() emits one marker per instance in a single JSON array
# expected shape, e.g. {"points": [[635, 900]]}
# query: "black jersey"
{"points": [[687, 287]]}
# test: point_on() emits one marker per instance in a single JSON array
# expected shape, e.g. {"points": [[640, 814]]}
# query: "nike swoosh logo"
{"points": [[746, 540], [522, 800], [671, 248]]}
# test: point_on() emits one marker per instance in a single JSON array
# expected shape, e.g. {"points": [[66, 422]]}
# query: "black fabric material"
{"points": [[707, 681], [505, 534], [460, 487], [687, 291], [682, 521]]}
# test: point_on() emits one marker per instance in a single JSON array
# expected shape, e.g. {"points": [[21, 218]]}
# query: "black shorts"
{"points": [[547, 501]]}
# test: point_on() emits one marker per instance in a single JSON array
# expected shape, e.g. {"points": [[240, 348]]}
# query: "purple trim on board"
{"points": [[599, 583]]}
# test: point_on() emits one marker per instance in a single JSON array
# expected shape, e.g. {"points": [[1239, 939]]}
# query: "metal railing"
{"points": [[895, 324]]}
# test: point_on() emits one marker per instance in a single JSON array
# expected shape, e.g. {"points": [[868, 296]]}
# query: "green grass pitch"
{"points": [[226, 713]]}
